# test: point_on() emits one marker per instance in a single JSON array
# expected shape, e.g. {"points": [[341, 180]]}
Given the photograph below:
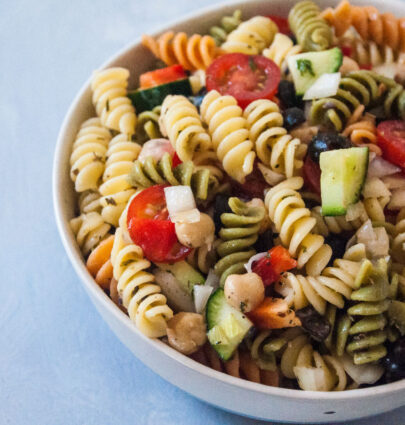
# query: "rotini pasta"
{"points": [[204, 257], [274, 147], [99, 263], [88, 155], [230, 135], [180, 121], [111, 102], [251, 36], [227, 25], [147, 126], [149, 173], [293, 221], [312, 32], [116, 189], [195, 52], [143, 299], [238, 235], [89, 201]]}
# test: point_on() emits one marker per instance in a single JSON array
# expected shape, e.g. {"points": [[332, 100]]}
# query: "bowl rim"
{"points": [[76, 259]]}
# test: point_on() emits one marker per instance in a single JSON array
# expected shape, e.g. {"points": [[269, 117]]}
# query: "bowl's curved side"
{"points": [[213, 387]]}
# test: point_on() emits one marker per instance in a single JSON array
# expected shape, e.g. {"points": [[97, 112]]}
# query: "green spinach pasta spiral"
{"points": [[140, 295], [227, 25], [148, 173], [368, 332], [359, 87], [180, 121], [229, 132], [312, 31], [238, 234], [147, 127], [294, 223], [274, 147]]}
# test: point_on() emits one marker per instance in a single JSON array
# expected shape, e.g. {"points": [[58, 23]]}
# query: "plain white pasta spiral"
{"points": [[398, 244], [89, 201], [111, 102], [293, 221], [229, 133], [180, 122], [251, 36], [141, 296], [116, 189], [88, 155], [326, 225], [274, 147], [280, 50], [90, 229]]}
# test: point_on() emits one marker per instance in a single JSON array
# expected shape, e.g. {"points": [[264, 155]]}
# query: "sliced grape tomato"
{"points": [[245, 77], [391, 139], [282, 24]]}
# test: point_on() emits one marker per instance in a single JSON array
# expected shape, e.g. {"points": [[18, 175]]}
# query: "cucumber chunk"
{"points": [[306, 68], [186, 275], [147, 99], [343, 173], [227, 326]]}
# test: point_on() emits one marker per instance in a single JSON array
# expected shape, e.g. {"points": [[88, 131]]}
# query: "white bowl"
{"points": [[219, 389]]}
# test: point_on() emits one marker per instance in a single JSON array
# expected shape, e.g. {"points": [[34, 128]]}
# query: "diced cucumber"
{"points": [[186, 275], [343, 173], [227, 326], [306, 68], [147, 99]]}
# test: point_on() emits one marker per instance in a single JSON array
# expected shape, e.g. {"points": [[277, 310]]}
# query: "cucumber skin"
{"points": [[302, 82], [339, 210], [147, 99]]}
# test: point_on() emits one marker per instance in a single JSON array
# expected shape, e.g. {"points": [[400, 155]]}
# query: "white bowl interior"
{"points": [[224, 391]]}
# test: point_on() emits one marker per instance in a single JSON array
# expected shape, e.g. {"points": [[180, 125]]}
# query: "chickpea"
{"points": [[244, 292], [348, 65], [186, 332], [196, 234]]}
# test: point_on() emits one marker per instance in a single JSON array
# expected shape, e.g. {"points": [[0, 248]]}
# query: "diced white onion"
{"points": [[325, 86], [177, 298], [155, 148], [254, 258], [379, 167], [362, 374], [376, 240], [212, 279], [201, 295], [181, 204]]}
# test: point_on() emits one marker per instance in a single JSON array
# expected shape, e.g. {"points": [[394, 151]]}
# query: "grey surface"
{"points": [[59, 363]]}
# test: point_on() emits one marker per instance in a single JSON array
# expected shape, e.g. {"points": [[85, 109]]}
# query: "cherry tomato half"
{"points": [[312, 175], [245, 77], [282, 24], [162, 76], [150, 227], [278, 260], [391, 139]]}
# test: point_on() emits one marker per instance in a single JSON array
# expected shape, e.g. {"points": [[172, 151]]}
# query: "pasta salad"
{"points": [[246, 202]]}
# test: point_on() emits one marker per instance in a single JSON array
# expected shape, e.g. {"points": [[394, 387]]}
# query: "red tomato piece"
{"points": [[282, 24], [391, 139], [273, 313], [162, 76], [150, 227], [347, 51], [312, 175], [253, 187], [245, 77], [176, 160], [368, 67], [278, 260]]}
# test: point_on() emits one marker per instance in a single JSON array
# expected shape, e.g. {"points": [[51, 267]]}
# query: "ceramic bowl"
{"points": [[219, 389]]}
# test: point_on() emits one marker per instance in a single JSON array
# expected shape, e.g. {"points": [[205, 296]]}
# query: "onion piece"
{"points": [[177, 298], [325, 86], [362, 374], [254, 258], [181, 204], [376, 240], [355, 211], [201, 295], [212, 279], [155, 148], [379, 167]]}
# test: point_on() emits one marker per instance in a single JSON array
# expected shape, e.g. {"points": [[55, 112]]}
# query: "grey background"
{"points": [[59, 363]]}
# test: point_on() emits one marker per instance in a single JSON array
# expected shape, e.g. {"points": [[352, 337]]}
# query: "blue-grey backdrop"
{"points": [[59, 363]]}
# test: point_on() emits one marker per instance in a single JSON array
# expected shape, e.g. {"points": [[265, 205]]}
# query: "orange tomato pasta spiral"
{"points": [[195, 52], [382, 28], [99, 263]]}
